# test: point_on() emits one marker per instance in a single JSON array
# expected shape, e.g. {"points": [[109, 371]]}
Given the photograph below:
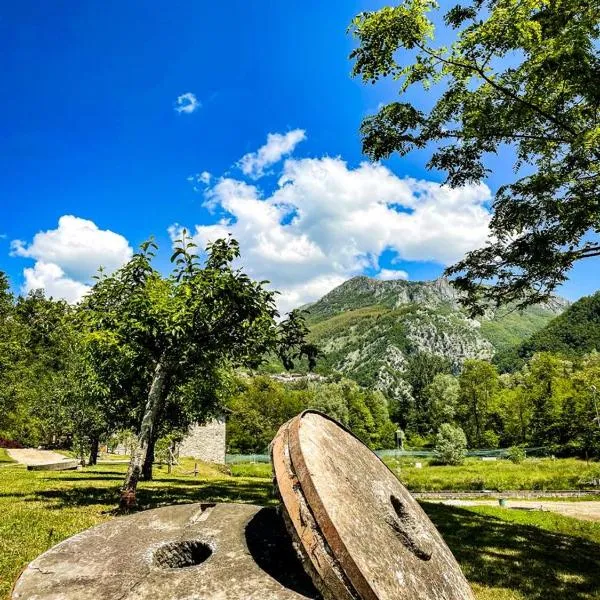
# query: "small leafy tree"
{"points": [[164, 332], [516, 454], [518, 73], [450, 445]]}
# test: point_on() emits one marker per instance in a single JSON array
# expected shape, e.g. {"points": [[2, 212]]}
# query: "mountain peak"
{"points": [[362, 291]]}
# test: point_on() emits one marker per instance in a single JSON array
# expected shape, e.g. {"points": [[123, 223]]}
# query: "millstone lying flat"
{"points": [[63, 465], [359, 532], [186, 552]]}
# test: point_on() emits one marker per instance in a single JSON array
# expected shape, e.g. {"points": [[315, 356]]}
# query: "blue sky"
{"points": [[91, 134]]}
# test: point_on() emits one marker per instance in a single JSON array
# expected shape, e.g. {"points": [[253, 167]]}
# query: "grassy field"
{"points": [[506, 554], [501, 475], [476, 475]]}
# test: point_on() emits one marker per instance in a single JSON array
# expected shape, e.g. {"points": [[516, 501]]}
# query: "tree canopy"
{"points": [[154, 335], [518, 73]]}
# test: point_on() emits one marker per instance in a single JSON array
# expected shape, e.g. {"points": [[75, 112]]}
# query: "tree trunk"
{"points": [[138, 457], [149, 460], [94, 449]]}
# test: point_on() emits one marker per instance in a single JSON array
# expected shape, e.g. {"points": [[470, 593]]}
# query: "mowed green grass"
{"points": [[476, 475], [506, 554]]}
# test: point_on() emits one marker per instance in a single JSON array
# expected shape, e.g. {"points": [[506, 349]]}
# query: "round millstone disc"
{"points": [[185, 552], [359, 532]]}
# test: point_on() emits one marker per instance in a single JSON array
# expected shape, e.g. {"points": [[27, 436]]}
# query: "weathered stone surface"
{"points": [[360, 533], [185, 552], [63, 465], [205, 442]]}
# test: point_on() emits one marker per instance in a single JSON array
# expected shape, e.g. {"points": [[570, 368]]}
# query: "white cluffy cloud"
{"points": [[278, 145], [325, 222], [51, 278], [67, 257], [391, 274], [203, 178], [187, 103]]}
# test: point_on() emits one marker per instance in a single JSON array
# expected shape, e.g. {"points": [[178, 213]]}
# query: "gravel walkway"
{"points": [[32, 456]]}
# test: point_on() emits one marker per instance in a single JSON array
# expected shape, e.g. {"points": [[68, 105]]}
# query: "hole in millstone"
{"points": [[409, 531], [178, 555]]}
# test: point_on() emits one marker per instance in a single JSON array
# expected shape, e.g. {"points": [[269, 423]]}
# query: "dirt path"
{"points": [[588, 510], [31, 456]]}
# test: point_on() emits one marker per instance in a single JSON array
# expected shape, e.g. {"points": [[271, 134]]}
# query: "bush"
{"points": [[414, 441], [165, 446], [6, 443], [450, 445], [490, 439], [516, 454]]}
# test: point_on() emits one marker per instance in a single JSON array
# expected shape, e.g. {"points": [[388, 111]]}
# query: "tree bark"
{"points": [[149, 460], [94, 449], [138, 457]]}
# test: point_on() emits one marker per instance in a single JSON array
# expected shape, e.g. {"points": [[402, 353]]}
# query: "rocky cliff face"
{"points": [[363, 291], [370, 330]]}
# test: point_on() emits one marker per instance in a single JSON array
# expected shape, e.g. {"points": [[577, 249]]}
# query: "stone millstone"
{"points": [[63, 465], [186, 552], [359, 532]]}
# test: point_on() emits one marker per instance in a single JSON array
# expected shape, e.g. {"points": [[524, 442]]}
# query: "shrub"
{"points": [[165, 446], [416, 441], [490, 439], [516, 454], [450, 445], [6, 443]]}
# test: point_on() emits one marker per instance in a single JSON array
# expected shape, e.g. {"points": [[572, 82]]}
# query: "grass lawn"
{"points": [[475, 475], [506, 554]]}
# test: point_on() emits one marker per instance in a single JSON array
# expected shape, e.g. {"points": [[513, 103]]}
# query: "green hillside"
{"points": [[373, 331], [575, 332]]}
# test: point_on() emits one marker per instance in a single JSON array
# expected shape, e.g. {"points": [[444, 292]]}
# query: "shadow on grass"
{"points": [[93, 477], [537, 563], [158, 493]]}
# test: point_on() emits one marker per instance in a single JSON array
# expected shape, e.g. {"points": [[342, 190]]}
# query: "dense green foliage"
{"points": [[48, 391], [478, 385], [450, 445], [76, 376], [261, 405], [551, 402], [141, 352], [532, 65], [574, 333], [410, 340]]}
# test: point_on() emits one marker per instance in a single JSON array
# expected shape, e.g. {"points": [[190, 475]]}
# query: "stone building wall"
{"points": [[205, 442]]}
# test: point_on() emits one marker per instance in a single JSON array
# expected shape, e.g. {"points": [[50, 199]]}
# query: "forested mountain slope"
{"points": [[574, 332], [380, 332]]}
